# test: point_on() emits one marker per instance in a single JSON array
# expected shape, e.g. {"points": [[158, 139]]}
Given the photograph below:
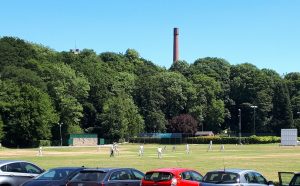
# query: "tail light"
{"points": [[174, 182]]}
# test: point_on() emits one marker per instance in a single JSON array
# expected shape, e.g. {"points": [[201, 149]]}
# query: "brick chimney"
{"points": [[176, 45]]}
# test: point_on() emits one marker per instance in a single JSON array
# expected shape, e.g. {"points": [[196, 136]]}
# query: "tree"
{"points": [[15, 51], [21, 75], [182, 67], [27, 114], [1, 128], [282, 112], [184, 123], [219, 69], [155, 121], [120, 118], [68, 90], [293, 83], [163, 96], [251, 86], [207, 107]]}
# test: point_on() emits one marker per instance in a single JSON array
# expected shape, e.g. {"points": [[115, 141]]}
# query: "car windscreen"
{"points": [[158, 176], [55, 174], [94, 176], [221, 177]]}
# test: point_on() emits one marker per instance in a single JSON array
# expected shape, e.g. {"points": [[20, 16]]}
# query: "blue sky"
{"points": [[265, 33]]}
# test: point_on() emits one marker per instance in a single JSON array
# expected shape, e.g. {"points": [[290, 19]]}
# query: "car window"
{"points": [[250, 178], [89, 176], [3, 168], [196, 176], [158, 176], [120, 175], [14, 167], [186, 175], [220, 177], [55, 174], [137, 175], [30, 168], [49, 175], [296, 180], [260, 179]]}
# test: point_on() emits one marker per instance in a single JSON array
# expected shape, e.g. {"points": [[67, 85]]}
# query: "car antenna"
{"points": [[224, 164]]}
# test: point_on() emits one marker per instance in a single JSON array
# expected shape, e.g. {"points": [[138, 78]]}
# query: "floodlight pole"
{"points": [[254, 107], [240, 126], [60, 124]]}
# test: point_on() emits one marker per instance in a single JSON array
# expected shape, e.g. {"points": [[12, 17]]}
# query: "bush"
{"points": [[234, 140], [207, 139], [40, 143]]}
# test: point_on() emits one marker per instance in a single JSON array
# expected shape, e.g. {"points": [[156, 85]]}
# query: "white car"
{"points": [[234, 177], [14, 173]]}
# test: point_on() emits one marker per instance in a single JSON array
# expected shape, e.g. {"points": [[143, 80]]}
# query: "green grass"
{"points": [[267, 159]]}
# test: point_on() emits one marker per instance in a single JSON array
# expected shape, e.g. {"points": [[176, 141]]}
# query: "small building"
{"points": [[83, 140], [204, 133]]}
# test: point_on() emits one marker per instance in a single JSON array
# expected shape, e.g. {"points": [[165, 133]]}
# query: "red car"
{"points": [[172, 177]]}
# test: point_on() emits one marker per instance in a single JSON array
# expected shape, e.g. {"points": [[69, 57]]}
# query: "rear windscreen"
{"points": [[221, 177], [89, 176], [158, 176]]}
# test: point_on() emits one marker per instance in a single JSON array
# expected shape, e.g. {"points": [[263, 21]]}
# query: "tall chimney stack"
{"points": [[176, 45]]}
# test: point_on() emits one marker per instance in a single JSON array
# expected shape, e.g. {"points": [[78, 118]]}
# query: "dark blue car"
{"points": [[54, 177], [107, 177]]}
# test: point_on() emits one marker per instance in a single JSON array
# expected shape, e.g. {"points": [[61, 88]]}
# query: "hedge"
{"points": [[234, 140], [207, 139]]}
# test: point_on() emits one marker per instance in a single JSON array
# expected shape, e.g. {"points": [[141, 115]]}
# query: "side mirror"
{"points": [[270, 183]]}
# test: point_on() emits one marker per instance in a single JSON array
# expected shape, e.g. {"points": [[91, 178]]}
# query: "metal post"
{"points": [[240, 126], [60, 124], [254, 107]]}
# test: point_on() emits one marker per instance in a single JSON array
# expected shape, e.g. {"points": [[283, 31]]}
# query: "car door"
{"points": [[136, 176], [31, 169], [255, 179], [120, 178], [196, 176], [17, 173], [260, 179], [187, 179]]}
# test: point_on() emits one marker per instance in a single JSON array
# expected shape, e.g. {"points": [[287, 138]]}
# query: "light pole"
{"points": [[254, 107], [240, 126], [60, 124]]}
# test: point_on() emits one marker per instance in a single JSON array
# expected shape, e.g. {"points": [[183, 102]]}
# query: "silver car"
{"points": [[14, 173], [235, 177]]}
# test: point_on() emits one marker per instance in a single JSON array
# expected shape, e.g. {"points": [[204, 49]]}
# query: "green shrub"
{"points": [[215, 139], [40, 143]]}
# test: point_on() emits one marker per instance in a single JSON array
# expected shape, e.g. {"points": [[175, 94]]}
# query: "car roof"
{"points": [[62, 168], [172, 170], [103, 169], [3, 162], [237, 171]]}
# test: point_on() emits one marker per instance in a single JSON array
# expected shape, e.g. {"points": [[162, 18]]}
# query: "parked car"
{"points": [[54, 177], [14, 173], [172, 177], [107, 177], [235, 177], [289, 178]]}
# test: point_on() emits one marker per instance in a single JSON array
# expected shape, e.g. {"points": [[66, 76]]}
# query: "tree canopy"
{"points": [[118, 96]]}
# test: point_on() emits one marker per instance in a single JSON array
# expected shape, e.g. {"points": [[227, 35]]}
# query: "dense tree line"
{"points": [[119, 96]]}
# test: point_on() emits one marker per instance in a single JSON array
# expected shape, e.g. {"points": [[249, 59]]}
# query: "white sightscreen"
{"points": [[289, 137]]}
